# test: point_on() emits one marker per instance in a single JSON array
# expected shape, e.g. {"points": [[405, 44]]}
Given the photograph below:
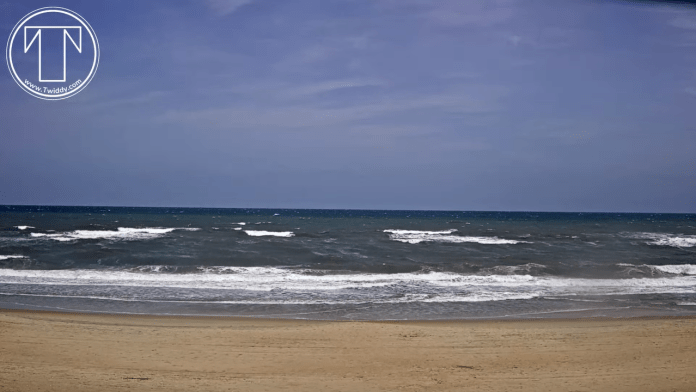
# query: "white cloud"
{"points": [[226, 7]]}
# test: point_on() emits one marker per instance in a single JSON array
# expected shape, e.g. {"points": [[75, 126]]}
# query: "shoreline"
{"points": [[501, 319], [45, 350]]}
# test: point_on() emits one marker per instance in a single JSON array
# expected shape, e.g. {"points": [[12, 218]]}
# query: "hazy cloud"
{"points": [[308, 116], [225, 7], [471, 12], [457, 12], [331, 85], [684, 23]]}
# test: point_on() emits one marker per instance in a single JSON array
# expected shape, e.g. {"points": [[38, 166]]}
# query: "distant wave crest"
{"points": [[262, 233], [122, 233], [415, 237], [11, 257], [673, 269], [674, 240]]}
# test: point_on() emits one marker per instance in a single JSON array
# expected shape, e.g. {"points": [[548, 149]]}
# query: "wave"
{"points": [[122, 233], [11, 257], [673, 269], [686, 269], [408, 298], [416, 236], [25, 227], [290, 282], [529, 268], [260, 233], [674, 240]]}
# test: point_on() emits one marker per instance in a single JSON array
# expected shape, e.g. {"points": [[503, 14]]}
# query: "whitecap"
{"points": [[122, 233], [12, 257], [416, 236], [662, 239], [260, 233], [678, 269], [516, 269], [374, 287], [25, 227]]}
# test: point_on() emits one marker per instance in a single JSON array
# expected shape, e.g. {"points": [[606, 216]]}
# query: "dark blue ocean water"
{"points": [[347, 264]]}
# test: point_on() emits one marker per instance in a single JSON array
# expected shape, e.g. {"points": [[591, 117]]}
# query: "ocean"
{"points": [[347, 264]]}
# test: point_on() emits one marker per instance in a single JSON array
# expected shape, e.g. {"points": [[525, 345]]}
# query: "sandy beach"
{"points": [[44, 351]]}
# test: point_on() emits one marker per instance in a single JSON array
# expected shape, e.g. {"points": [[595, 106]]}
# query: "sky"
{"points": [[512, 105]]}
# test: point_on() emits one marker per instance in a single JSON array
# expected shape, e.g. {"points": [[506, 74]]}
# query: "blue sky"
{"points": [[382, 104]]}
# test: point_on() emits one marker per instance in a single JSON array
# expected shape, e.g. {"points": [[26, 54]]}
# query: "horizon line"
{"points": [[349, 209]]}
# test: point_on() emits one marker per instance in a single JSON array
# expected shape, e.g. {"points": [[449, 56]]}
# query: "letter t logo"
{"points": [[66, 35]]}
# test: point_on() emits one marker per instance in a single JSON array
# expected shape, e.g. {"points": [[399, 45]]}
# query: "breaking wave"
{"points": [[122, 233], [661, 239], [415, 237], [261, 233], [11, 257], [288, 285]]}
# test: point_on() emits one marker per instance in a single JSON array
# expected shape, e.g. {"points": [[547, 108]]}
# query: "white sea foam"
{"points": [[25, 227], [677, 269], [686, 269], [11, 257], [152, 268], [408, 298], [513, 269], [237, 228], [122, 233], [418, 232], [260, 233], [662, 239], [416, 236], [286, 283]]}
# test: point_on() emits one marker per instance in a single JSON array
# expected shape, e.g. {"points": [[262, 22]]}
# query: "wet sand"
{"points": [[45, 351]]}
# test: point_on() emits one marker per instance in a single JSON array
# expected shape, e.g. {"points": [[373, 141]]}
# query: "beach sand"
{"points": [[44, 351]]}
